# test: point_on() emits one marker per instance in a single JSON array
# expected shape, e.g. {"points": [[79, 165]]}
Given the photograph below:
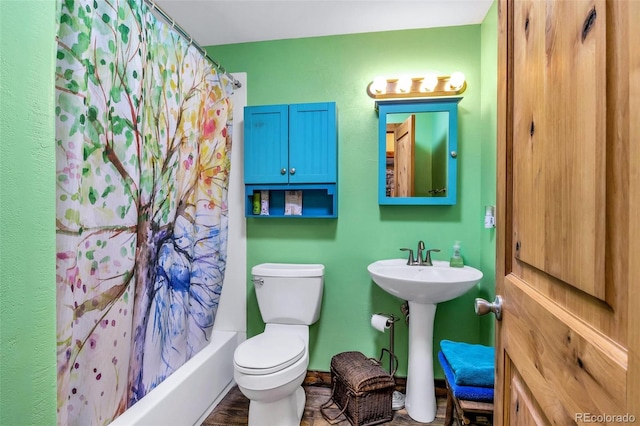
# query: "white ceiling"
{"points": [[214, 22]]}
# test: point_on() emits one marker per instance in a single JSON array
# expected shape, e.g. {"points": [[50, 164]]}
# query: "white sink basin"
{"points": [[423, 287], [423, 284]]}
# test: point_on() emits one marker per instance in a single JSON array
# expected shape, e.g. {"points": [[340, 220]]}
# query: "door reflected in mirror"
{"points": [[418, 151], [416, 146]]}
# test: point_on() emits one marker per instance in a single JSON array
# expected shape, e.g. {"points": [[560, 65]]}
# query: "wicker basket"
{"points": [[361, 389]]}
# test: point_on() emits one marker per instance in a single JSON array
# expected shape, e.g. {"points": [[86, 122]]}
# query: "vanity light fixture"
{"points": [[417, 87]]}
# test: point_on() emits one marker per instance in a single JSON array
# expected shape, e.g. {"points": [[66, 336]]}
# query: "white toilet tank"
{"points": [[289, 293]]}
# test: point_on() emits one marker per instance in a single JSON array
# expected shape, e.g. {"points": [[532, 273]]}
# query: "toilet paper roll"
{"points": [[380, 322]]}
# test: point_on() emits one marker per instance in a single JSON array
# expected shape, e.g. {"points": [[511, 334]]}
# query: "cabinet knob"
{"points": [[292, 171], [283, 171]]}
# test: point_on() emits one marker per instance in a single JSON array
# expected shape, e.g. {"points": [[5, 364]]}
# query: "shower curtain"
{"points": [[143, 128]]}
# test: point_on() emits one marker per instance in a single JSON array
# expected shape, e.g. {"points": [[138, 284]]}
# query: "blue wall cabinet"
{"points": [[292, 147]]}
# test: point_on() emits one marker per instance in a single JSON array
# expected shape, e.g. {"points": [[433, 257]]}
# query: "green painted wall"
{"points": [[338, 68], [489, 117], [27, 213]]}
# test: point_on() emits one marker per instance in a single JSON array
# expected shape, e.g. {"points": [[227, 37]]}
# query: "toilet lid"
{"points": [[267, 353]]}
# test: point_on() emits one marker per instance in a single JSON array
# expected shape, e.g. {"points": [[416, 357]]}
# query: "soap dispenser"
{"points": [[456, 257]]}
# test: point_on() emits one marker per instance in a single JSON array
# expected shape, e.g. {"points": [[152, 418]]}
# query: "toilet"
{"points": [[269, 368]]}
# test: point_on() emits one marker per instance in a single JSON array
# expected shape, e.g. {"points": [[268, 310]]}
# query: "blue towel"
{"points": [[472, 365], [469, 393]]}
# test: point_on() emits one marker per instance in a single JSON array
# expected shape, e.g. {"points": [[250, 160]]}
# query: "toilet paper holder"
{"points": [[393, 359]]}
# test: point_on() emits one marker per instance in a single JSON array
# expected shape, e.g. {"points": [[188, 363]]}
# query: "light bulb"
{"points": [[456, 80], [379, 85], [404, 84], [429, 82]]}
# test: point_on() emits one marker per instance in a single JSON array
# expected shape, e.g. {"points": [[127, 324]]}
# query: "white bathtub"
{"points": [[189, 395]]}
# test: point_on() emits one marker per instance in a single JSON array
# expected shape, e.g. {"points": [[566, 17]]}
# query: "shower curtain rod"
{"points": [[183, 33]]}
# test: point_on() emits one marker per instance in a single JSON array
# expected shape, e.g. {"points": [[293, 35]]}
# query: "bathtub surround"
{"points": [[143, 139]]}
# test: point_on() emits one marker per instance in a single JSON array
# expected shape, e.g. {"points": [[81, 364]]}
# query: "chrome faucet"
{"points": [[419, 260]]}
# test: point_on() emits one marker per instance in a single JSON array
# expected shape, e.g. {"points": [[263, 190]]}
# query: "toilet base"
{"points": [[283, 412]]}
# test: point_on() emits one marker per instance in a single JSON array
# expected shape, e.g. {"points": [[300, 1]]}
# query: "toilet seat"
{"points": [[268, 353]]}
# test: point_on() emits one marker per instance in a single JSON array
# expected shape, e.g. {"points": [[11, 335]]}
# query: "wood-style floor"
{"points": [[234, 408]]}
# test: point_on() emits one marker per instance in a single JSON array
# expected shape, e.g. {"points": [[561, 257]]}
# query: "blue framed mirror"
{"points": [[418, 151]]}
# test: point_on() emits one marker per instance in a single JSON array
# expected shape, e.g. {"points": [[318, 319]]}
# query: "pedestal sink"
{"points": [[423, 287]]}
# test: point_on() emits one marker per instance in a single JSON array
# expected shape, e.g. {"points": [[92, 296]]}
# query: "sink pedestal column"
{"points": [[420, 401]]}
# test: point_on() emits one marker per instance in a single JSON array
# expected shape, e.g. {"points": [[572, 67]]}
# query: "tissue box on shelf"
{"points": [[264, 203], [293, 203]]}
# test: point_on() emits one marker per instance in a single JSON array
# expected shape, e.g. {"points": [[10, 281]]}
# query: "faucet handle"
{"points": [[411, 260], [427, 261]]}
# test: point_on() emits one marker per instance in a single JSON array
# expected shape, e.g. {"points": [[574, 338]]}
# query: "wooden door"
{"points": [[568, 344], [404, 151]]}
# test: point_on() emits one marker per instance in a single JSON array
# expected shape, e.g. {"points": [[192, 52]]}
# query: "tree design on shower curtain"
{"points": [[143, 127]]}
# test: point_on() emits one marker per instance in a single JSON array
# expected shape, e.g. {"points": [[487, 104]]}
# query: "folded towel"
{"points": [[469, 393], [472, 365]]}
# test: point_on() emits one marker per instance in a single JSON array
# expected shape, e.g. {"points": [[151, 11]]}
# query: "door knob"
{"points": [[283, 171], [483, 307], [292, 171]]}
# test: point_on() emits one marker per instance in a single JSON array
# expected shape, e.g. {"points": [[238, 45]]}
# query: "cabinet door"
{"points": [[266, 132], [312, 143]]}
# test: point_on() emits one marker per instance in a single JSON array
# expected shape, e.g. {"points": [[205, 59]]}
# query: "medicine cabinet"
{"points": [[418, 151]]}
